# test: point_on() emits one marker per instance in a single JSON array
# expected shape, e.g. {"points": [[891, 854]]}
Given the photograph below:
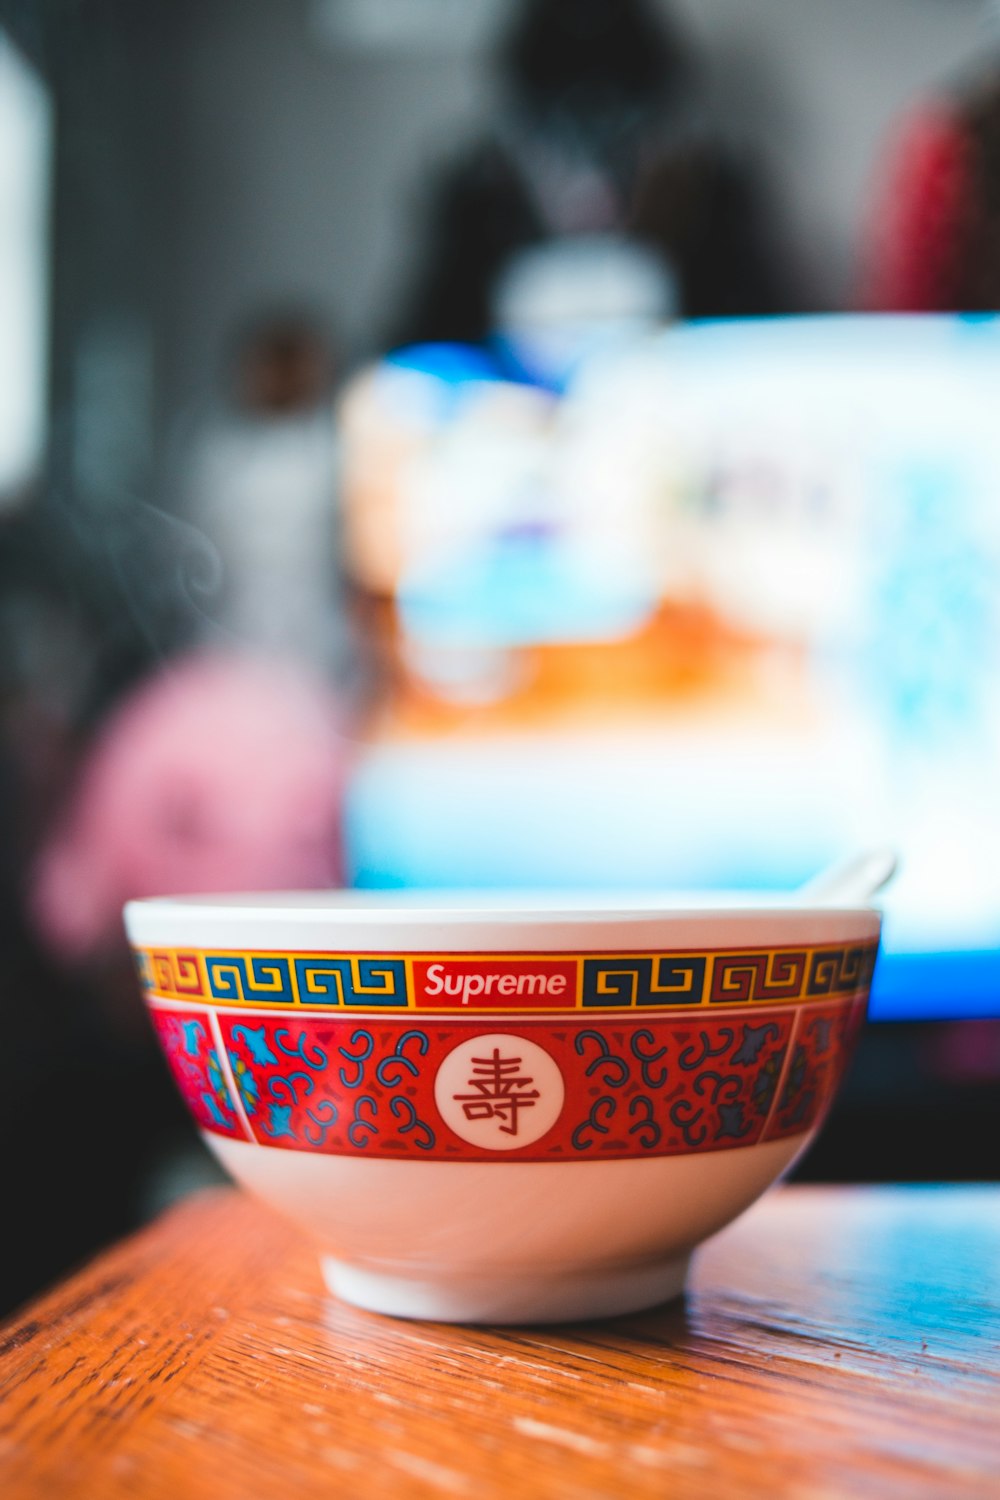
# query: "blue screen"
{"points": [[720, 612]]}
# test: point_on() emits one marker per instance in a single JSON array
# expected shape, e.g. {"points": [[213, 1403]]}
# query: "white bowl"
{"points": [[502, 1108]]}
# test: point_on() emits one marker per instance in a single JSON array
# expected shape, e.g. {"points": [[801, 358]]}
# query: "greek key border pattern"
{"points": [[308, 982]]}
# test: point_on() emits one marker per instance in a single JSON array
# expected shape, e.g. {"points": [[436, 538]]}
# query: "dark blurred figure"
{"points": [[283, 365], [935, 236], [84, 1103], [130, 765], [599, 135]]}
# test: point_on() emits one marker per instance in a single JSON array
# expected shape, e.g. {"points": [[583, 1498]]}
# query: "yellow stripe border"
{"points": [[314, 981]]}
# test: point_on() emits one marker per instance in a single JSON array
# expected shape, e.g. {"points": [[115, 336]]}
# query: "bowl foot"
{"points": [[516, 1298]]}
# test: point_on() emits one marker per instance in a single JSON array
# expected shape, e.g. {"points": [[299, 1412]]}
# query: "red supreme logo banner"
{"points": [[507, 983]]}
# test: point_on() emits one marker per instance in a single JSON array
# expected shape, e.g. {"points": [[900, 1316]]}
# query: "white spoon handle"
{"points": [[851, 883]]}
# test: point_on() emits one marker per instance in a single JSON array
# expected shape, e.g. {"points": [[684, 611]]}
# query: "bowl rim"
{"points": [[491, 920]]}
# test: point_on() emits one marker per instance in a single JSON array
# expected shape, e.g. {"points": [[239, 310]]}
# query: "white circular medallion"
{"points": [[499, 1091]]}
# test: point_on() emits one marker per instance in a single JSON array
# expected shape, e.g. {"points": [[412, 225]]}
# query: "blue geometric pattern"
{"points": [[677, 979], [264, 979], [351, 981]]}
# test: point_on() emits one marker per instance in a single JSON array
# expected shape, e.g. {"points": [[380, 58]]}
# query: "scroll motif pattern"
{"points": [[672, 1085]]}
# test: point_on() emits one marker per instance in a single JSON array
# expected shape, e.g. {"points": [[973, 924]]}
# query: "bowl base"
{"points": [[565, 1298]]}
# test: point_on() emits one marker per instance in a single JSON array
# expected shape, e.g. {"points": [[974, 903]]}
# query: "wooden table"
{"points": [[836, 1342]]}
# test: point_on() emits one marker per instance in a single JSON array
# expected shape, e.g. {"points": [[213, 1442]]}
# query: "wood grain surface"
{"points": [[835, 1342]]}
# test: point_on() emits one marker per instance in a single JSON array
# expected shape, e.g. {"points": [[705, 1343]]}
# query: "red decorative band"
{"points": [[537, 1088]]}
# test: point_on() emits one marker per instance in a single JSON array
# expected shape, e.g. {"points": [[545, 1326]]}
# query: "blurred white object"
{"points": [[263, 490], [25, 148], [565, 301]]}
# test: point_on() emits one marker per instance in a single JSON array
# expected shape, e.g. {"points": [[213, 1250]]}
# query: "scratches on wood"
{"points": [[834, 1342]]}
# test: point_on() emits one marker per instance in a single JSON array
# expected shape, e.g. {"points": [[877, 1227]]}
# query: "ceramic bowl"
{"points": [[504, 1111]]}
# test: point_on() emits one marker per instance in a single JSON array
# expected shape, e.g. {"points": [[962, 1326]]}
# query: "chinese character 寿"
{"points": [[500, 1092]]}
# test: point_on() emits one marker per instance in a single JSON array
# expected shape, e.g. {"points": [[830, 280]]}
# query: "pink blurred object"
{"points": [[220, 773], [964, 1052]]}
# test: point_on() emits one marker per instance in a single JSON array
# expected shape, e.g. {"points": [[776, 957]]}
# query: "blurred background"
{"points": [[480, 443]]}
